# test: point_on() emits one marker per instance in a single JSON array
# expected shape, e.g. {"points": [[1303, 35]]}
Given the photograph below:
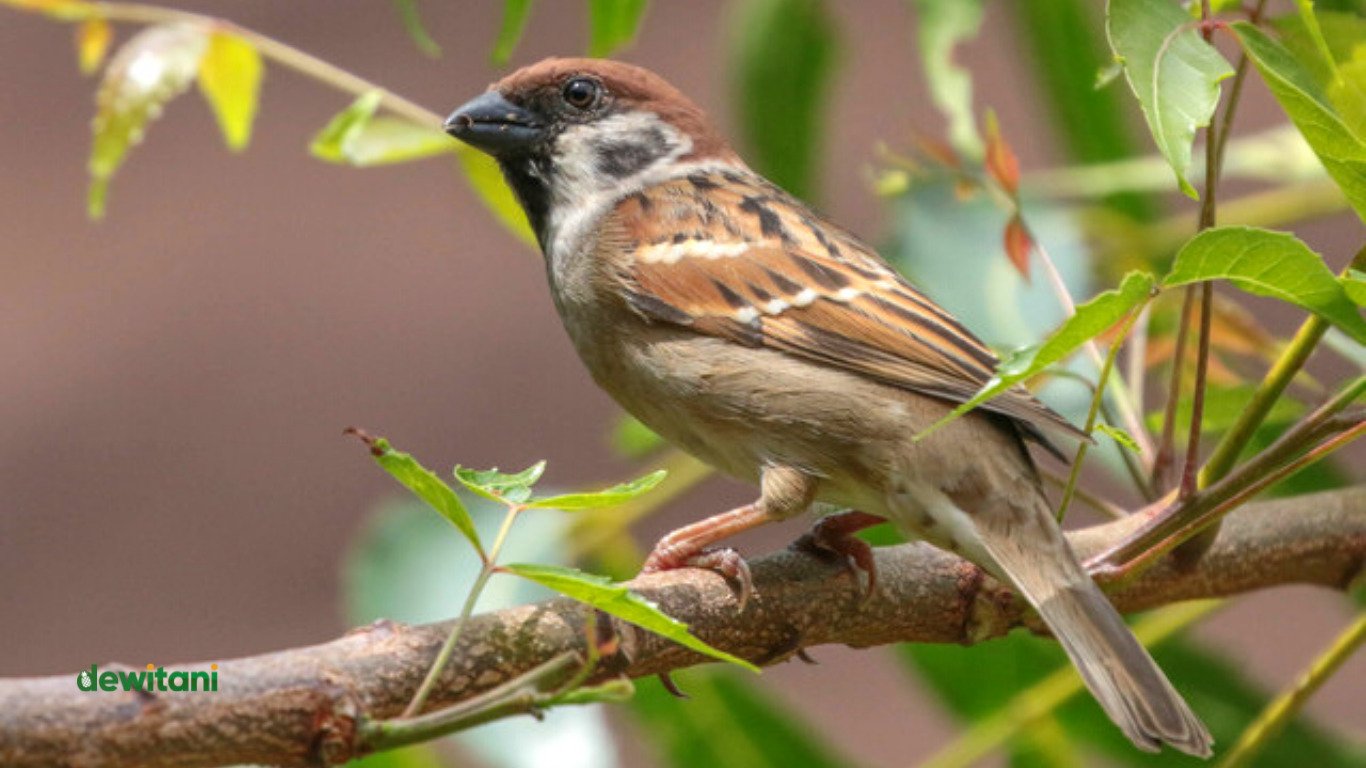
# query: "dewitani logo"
{"points": [[153, 679]]}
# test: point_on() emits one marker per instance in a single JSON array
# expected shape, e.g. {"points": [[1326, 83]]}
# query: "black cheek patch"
{"points": [[623, 156]]}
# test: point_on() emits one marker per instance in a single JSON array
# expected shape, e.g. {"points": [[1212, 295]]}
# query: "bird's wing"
{"points": [[729, 255]]}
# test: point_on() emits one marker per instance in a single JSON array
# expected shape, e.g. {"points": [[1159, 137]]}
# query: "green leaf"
{"points": [[152, 68], [412, 22], [612, 25], [93, 37], [484, 176], [607, 497], [942, 25], [515, 15], [1118, 435], [1066, 45], [61, 10], [426, 486], [1174, 73], [1339, 149], [1223, 406], [783, 56], [331, 142], [632, 439], [359, 138], [727, 722], [1267, 263], [1092, 319], [497, 486], [602, 593], [1354, 284], [230, 79]]}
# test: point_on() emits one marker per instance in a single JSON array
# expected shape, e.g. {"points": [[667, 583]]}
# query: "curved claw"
{"points": [[726, 562], [833, 535]]}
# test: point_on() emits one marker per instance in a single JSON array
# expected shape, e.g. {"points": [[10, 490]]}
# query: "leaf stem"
{"points": [[519, 694], [1282, 372], [281, 53], [1173, 526], [1075, 474], [1279, 712], [443, 656]]}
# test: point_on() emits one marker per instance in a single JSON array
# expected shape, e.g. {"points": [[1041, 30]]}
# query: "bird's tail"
{"points": [[1031, 551]]}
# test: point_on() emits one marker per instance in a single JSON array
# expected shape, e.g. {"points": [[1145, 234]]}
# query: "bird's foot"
{"points": [[833, 537], [726, 562]]}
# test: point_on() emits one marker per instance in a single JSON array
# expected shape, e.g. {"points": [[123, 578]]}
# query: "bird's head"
{"points": [[566, 131]]}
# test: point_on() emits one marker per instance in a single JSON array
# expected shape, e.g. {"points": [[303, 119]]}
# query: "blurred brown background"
{"points": [[173, 480]]}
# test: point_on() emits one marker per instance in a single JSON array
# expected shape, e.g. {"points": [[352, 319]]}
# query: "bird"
{"points": [[775, 346]]}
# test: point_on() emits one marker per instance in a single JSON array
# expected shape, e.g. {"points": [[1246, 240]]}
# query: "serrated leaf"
{"points": [[153, 67], [602, 593], [1339, 149], [62, 10], [612, 25], [412, 23], [515, 16], [941, 25], [1091, 319], [1118, 435], [230, 79], [783, 57], [1172, 70], [1267, 263], [331, 142], [498, 486], [426, 486], [607, 497], [93, 37], [484, 176], [1354, 284]]}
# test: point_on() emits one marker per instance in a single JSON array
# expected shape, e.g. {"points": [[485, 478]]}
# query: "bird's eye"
{"points": [[581, 93]]}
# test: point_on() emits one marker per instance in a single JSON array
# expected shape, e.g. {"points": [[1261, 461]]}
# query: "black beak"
{"points": [[495, 125]]}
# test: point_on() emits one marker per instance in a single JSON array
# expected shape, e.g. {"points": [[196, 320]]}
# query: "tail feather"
{"points": [[1032, 554]]}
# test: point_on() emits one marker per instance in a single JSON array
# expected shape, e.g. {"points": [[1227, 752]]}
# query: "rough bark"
{"points": [[301, 706]]}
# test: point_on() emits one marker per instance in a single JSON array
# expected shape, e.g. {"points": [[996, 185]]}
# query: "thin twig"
{"points": [[1278, 713]]}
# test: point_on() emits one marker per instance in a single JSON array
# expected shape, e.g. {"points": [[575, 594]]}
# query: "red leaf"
{"points": [[1002, 164], [1018, 243]]}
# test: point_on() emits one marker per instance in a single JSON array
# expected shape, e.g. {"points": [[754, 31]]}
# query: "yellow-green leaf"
{"points": [[602, 593], [1091, 319], [230, 79], [63, 10], [482, 172], [1354, 283], [153, 67], [1174, 73], [1267, 263], [331, 143], [93, 37], [1340, 148], [613, 25], [607, 497], [426, 486], [515, 16]]}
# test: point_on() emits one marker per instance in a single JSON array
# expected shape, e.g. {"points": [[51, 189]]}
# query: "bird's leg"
{"points": [[784, 492], [834, 535]]}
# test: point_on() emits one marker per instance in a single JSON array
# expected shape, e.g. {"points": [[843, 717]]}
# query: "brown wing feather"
{"points": [[730, 255]]}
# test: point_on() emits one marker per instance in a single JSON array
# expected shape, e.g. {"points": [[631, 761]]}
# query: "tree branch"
{"points": [[303, 706]]}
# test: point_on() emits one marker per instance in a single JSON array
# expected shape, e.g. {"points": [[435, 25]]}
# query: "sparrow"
{"points": [[775, 346]]}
